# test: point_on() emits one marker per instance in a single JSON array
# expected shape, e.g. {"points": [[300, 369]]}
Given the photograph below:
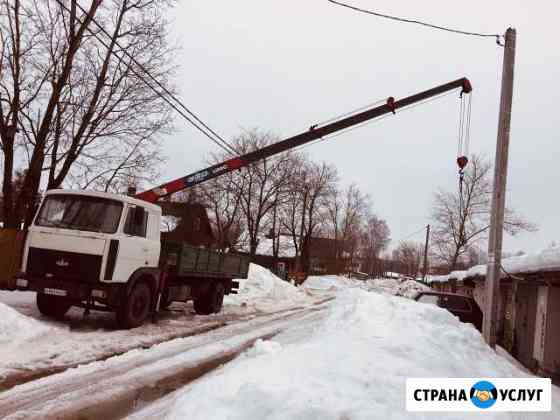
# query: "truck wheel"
{"points": [[136, 306], [53, 306], [212, 301]]}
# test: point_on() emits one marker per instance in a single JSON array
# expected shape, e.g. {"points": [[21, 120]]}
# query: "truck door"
{"points": [[134, 250]]}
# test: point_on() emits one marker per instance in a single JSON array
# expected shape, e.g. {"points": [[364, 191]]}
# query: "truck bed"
{"points": [[185, 260]]}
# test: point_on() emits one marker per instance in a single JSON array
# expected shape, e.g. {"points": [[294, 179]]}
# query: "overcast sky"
{"points": [[285, 65]]}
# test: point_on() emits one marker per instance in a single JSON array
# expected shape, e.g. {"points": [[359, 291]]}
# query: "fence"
{"points": [[11, 246]]}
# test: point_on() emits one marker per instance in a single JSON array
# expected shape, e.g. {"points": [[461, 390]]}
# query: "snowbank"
{"points": [[15, 327], [334, 283], [387, 285], [330, 282], [351, 365], [392, 286], [264, 288], [410, 289]]}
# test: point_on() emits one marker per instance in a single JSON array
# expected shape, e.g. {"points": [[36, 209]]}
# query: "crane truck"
{"points": [[102, 251]]}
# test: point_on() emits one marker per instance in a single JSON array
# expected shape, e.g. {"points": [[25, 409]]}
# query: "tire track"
{"points": [[110, 389]]}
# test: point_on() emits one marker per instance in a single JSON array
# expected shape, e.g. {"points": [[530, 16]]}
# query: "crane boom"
{"points": [[314, 133]]}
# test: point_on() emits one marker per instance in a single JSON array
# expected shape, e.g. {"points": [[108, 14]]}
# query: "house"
{"points": [[186, 222], [322, 256]]}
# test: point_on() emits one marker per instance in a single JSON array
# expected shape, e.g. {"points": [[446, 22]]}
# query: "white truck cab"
{"points": [[100, 236], [103, 251], [84, 244]]}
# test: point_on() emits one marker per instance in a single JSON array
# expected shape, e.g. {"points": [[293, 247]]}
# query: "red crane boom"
{"points": [[314, 133]]}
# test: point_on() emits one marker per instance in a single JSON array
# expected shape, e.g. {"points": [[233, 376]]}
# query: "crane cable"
{"points": [[463, 143]]}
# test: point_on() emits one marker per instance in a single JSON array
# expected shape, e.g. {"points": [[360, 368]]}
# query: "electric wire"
{"points": [[412, 234], [418, 22], [218, 140]]}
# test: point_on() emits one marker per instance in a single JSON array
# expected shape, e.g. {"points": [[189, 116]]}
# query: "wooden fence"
{"points": [[11, 246]]}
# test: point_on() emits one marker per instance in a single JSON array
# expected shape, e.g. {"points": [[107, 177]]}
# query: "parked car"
{"points": [[464, 307]]}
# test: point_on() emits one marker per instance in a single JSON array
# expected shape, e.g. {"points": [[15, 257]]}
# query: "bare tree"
{"points": [[375, 238], [223, 202], [409, 255], [347, 211], [303, 207], [256, 188], [72, 104], [461, 219]]}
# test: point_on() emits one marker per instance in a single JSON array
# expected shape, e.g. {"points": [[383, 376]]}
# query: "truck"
{"points": [[103, 251]]}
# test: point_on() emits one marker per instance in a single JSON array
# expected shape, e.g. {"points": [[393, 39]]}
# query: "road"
{"points": [[114, 387]]}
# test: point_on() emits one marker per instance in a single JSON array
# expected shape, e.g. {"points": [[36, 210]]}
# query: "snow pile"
{"points": [[333, 283], [387, 285], [351, 365], [411, 288], [15, 327], [392, 286], [263, 287], [330, 282]]}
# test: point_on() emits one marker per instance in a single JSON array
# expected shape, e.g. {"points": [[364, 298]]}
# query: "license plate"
{"points": [[21, 282], [55, 292]]}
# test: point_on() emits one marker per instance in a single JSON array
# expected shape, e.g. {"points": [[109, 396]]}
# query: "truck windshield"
{"points": [[80, 212]]}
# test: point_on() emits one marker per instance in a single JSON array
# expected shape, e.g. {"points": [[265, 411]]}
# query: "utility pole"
{"points": [[425, 272], [499, 194]]}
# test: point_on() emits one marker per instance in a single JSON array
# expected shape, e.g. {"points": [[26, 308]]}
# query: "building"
{"points": [[186, 222], [528, 306]]}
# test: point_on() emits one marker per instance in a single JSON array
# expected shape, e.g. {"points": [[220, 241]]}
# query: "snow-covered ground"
{"points": [[331, 283], [343, 359], [350, 364], [32, 345]]}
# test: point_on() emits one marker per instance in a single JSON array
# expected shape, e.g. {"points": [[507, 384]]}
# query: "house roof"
{"points": [[546, 260]]}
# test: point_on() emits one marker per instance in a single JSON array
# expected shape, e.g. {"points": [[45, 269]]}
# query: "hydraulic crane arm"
{"points": [[314, 133]]}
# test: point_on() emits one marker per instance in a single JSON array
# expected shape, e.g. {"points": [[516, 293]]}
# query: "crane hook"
{"points": [[462, 162]]}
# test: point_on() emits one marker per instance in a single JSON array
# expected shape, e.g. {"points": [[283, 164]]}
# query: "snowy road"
{"points": [[58, 346], [111, 388], [32, 346]]}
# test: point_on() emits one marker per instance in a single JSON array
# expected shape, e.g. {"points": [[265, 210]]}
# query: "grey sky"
{"points": [[284, 65]]}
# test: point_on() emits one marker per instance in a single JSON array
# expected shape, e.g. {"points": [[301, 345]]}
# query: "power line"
{"points": [[412, 234], [417, 22], [216, 139]]}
